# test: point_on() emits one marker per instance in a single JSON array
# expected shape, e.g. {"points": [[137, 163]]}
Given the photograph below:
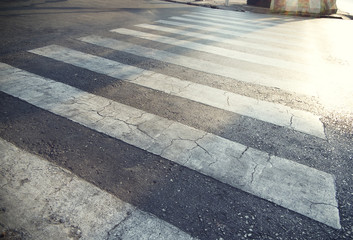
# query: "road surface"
{"points": [[155, 120]]}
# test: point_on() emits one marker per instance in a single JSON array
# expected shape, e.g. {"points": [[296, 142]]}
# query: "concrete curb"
{"points": [[219, 5], [240, 7]]}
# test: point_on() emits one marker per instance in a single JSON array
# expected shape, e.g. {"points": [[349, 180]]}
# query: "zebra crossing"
{"points": [[199, 64], [276, 114], [294, 186], [211, 49]]}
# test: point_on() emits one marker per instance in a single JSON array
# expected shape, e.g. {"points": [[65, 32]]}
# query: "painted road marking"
{"points": [[248, 27], [310, 59], [269, 112], [233, 54], [254, 35], [236, 42], [61, 200], [237, 73], [238, 38], [235, 16], [247, 16], [294, 186], [283, 27]]}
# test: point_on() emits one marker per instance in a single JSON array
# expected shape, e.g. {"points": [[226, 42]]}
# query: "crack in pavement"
{"points": [[291, 121], [103, 108], [226, 95], [242, 154], [319, 203], [252, 174]]}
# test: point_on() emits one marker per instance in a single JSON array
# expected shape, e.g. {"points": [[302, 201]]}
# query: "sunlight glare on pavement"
{"points": [[336, 91]]}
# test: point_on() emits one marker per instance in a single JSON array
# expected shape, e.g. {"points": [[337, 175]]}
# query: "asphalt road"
{"points": [[201, 203]]}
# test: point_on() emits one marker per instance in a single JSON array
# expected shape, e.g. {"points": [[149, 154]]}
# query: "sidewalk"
{"points": [[241, 6], [235, 5]]}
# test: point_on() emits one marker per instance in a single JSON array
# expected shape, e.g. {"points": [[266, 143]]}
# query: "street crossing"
{"points": [[283, 181], [265, 111], [215, 38], [236, 73], [211, 49], [242, 31], [241, 26], [251, 170]]}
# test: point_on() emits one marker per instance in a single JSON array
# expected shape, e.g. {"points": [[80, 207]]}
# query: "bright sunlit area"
{"points": [[345, 6]]}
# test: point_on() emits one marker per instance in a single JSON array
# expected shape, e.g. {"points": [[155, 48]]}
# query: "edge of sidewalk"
{"points": [[221, 5], [248, 8]]}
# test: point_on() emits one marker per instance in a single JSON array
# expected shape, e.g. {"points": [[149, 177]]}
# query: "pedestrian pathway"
{"points": [[235, 5], [194, 46], [265, 111], [245, 168]]}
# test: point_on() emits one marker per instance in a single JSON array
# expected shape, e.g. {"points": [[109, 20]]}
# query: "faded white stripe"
{"points": [[236, 42], [269, 112], [233, 31], [239, 37], [252, 58], [53, 203], [284, 22], [239, 74], [287, 183], [250, 16], [281, 26], [246, 27], [236, 17]]}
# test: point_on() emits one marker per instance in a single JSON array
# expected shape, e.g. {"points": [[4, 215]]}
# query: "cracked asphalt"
{"points": [[198, 204]]}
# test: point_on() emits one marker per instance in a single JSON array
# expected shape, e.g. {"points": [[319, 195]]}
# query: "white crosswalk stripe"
{"points": [[276, 179], [215, 50], [247, 17], [246, 27], [244, 38], [277, 26], [247, 34], [235, 42], [287, 22], [243, 41], [234, 72], [265, 111], [267, 20], [310, 70], [92, 211], [302, 57], [294, 186]]}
